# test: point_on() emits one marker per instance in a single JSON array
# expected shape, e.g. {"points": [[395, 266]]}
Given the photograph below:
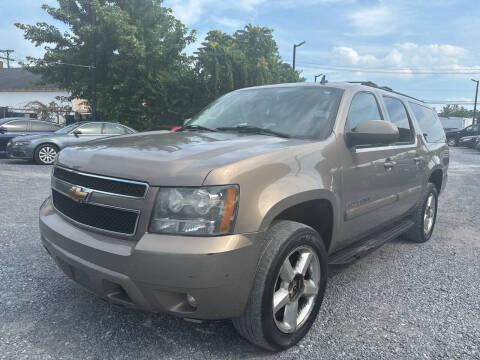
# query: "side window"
{"points": [[364, 107], [429, 123], [114, 129], [91, 129], [399, 117], [16, 125], [43, 126]]}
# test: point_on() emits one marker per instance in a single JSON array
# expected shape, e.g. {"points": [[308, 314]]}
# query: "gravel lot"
{"points": [[402, 301]]}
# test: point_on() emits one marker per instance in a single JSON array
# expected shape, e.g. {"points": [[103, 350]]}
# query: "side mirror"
{"points": [[76, 132], [3, 130], [372, 132]]}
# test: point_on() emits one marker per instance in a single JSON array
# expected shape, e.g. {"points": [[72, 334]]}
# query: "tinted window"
{"points": [[114, 129], [364, 107], [43, 126], [16, 125], [304, 112], [429, 123], [398, 116], [91, 129]]}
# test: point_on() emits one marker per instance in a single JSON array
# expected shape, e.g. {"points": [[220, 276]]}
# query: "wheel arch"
{"points": [[316, 208], [436, 178]]}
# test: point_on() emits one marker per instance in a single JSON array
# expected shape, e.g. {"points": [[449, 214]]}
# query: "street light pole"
{"points": [[93, 68], [295, 52], [317, 76], [475, 106]]}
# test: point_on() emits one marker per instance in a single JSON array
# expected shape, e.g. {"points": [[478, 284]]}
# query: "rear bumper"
{"points": [[157, 272]]}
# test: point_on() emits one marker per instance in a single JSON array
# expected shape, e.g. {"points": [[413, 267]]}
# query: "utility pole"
{"points": [[317, 76], [93, 68], [8, 56], [295, 52], [475, 106]]}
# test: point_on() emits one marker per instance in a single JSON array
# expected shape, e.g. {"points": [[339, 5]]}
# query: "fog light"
{"points": [[191, 301]]}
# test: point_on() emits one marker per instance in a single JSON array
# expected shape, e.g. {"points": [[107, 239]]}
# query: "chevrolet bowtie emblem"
{"points": [[78, 194]]}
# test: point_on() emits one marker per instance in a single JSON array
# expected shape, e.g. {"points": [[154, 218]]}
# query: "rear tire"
{"points": [[45, 154], [425, 216], [297, 302]]}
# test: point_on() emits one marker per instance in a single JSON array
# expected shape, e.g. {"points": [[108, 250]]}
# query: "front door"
{"points": [[368, 176], [86, 132]]}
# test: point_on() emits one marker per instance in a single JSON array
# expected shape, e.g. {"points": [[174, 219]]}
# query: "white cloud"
{"points": [[406, 55], [230, 23], [460, 98], [191, 11], [375, 21]]}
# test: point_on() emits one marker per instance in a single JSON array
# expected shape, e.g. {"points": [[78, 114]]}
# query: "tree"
{"points": [[141, 69], [48, 111], [455, 110], [249, 57]]}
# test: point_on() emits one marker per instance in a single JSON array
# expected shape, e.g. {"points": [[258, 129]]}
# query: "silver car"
{"points": [[43, 148]]}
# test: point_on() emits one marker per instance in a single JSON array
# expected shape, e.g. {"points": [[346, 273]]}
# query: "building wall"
{"points": [[18, 99]]}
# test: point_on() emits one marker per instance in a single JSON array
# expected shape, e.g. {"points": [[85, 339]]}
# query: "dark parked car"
{"points": [[453, 137], [13, 127], [467, 141], [44, 148]]}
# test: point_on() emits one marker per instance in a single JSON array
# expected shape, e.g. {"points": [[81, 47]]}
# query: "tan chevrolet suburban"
{"points": [[239, 214]]}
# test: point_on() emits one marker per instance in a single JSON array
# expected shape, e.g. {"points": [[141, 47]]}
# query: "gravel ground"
{"points": [[402, 301]]}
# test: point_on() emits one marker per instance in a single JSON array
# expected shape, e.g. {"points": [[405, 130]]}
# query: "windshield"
{"points": [[66, 129], [303, 112]]}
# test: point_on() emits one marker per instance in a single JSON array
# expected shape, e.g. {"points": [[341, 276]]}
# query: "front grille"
{"points": [[100, 217], [114, 186]]}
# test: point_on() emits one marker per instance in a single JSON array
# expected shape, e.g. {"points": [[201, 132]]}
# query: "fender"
{"points": [[297, 199]]}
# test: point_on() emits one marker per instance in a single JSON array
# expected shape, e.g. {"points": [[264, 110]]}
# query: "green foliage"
{"points": [[249, 57], [143, 76], [141, 68], [455, 111]]}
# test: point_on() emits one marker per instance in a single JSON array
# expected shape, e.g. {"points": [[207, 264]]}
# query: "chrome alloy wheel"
{"points": [[429, 214], [47, 154], [296, 289]]}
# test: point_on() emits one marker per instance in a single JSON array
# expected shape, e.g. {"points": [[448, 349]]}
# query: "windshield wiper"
{"points": [[197, 127], [254, 130]]}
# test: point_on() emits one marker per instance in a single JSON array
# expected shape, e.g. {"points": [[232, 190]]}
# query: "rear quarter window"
{"points": [[429, 123]]}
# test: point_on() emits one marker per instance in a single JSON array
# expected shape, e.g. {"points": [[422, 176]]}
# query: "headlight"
{"points": [[20, 143], [209, 210]]}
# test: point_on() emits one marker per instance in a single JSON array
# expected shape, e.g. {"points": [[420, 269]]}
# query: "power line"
{"points": [[52, 63], [398, 71]]}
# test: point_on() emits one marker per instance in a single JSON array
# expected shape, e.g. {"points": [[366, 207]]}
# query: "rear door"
{"points": [[110, 129], [409, 159], [41, 127], [14, 128]]}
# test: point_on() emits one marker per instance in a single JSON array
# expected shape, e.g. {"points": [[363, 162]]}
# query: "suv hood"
{"points": [[167, 159]]}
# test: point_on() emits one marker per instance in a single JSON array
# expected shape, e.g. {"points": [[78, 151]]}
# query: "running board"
{"points": [[362, 247]]}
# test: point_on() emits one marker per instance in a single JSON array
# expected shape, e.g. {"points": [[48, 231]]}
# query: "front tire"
{"points": [[45, 154], [452, 142], [425, 216], [288, 288]]}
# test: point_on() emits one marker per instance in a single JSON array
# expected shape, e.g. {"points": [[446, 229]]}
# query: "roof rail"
{"points": [[386, 88]]}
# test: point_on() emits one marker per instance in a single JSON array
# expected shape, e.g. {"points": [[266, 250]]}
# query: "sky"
{"points": [[407, 45]]}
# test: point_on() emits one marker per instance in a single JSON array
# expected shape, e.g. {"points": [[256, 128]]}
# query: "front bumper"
{"points": [[18, 152], [157, 272]]}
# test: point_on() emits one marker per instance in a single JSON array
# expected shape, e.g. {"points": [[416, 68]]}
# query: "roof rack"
{"points": [[386, 88]]}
